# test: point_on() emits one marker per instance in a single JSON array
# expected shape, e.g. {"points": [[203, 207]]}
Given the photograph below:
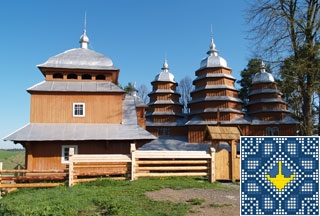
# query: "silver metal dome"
{"points": [[213, 59], [263, 76], [165, 75], [79, 58]]}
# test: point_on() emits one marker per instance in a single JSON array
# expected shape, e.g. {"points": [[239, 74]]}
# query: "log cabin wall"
{"points": [[46, 155], [176, 131], [141, 117], [196, 133], [261, 130], [215, 93], [67, 74], [210, 71], [98, 108]]}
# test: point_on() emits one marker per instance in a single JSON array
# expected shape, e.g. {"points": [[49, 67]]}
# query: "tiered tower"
{"points": [[215, 99], [266, 108], [165, 113]]}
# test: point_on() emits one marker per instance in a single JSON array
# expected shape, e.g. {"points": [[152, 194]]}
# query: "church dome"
{"points": [[79, 58], [165, 75], [263, 76], [213, 59]]}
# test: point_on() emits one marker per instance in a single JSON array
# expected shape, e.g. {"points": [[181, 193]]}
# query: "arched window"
{"points": [[72, 76], [86, 77], [100, 77], [57, 76]]}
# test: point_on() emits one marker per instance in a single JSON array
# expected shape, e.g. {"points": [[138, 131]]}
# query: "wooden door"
{"points": [[222, 165]]}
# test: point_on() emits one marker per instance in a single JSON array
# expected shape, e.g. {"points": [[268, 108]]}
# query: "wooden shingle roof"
{"points": [[222, 133]]}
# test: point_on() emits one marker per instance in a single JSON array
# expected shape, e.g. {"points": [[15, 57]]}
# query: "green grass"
{"points": [[11, 159], [196, 201], [103, 197]]}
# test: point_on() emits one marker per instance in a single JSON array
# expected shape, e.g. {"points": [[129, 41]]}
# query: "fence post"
{"points": [[212, 176], [233, 160], [133, 161], [0, 178], [71, 171]]}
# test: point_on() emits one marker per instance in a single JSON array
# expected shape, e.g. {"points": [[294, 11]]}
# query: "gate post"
{"points": [[133, 161], [233, 160], [71, 171], [212, 176], [0, 178]]}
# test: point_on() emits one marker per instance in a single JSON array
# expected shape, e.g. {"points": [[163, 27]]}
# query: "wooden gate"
{"points": [[222, 165]]}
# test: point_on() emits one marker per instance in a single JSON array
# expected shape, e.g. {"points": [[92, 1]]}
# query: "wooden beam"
{"points": [[212, 176], [71, 171], [133, 161], [173, 168], [233, 159], [166, 162], [171, 174], [30, 185]]}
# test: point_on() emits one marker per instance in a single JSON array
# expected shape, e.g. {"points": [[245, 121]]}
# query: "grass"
{"points": [[11, 159], [196, 201], [103, 197]]}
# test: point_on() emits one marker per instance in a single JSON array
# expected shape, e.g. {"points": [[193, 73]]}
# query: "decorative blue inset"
{"points": [[279, 175]]}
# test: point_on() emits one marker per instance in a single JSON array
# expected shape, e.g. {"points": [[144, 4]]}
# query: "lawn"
{"points": [[103, 197], [11, 159]]}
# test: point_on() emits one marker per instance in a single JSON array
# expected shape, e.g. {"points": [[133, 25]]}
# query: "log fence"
{"points": [[137, 164]]}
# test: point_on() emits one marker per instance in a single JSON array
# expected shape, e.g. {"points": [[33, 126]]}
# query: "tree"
{"points": [[280, 27], [143, 93], [294, 88], [184, 88], [247, 74], [128, 88]]}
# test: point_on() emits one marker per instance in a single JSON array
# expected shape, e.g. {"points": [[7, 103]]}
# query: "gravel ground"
{"points": [[217, 202]]}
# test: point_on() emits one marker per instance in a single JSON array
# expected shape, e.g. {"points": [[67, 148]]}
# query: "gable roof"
{"points": [[72, 132], [222, 133], [70, 86]]}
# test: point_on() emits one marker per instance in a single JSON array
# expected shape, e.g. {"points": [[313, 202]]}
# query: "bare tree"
{"points": [[289, 28], [184, 88], [143, 93]]}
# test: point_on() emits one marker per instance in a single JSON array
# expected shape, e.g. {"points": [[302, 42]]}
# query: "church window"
{"points": [[163, 131], [78, 109], [100, 77], [65, 152], [72, 76], [86, 77], [272, 131], [57, 76]]}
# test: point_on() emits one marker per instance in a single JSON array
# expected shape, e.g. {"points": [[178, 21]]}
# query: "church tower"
{"points": [[268, 112], [215, 99], [165, 113]]}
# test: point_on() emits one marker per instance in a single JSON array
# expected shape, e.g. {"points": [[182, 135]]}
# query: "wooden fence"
{"points": [[172, 163], [221, 165], [143, 164], [91, 165], [12, 179]]}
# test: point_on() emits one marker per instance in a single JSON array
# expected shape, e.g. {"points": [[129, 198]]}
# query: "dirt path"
{"points": [[217, 202]]}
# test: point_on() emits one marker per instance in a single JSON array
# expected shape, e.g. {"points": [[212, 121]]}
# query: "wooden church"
{"points": [[216, 106], [79, 105]]}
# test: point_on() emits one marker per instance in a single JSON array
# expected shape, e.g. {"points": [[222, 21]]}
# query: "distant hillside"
{"points": [[12, 157]]}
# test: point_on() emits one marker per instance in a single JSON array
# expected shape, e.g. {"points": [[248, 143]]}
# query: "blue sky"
{"points": [[137, 35]]}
